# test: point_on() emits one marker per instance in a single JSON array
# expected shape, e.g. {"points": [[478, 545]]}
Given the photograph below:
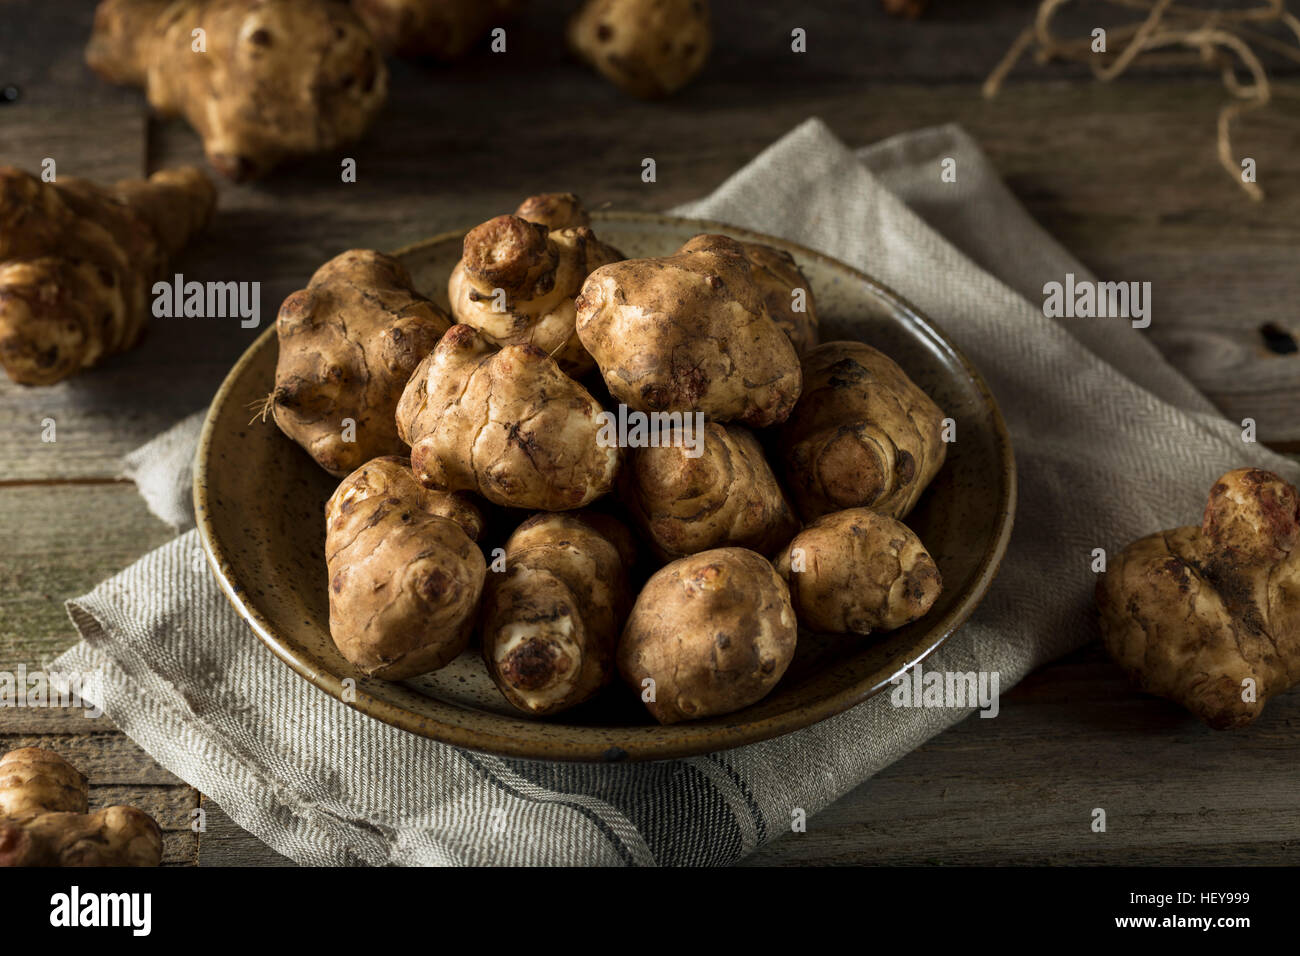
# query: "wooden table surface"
{"points": [[1125, 175]]}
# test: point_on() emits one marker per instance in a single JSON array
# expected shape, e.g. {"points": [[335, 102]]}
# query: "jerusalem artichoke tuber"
{"points": [[862, 435], [261, 81], [507, 424], [650, 48], [709, 634], [690, 332], [782, 285], [45, 818], [727, 496], [518, 278], [856, 571], [405, 577], [1209, 616], [77, 262], [551, 620], [348, 344]]}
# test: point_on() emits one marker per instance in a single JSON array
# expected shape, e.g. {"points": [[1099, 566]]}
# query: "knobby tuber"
{"points": [[45, 818], [261, 81], [725, 496], [507, 424], [690, 332], [551, 620], [781, 283], [862, 435], [519, 275], [405, 577], [78, 260], [856, 571], [555, 211], [348, 344], [649, 48], [1209, 616], [443, 29], [709, 634]]}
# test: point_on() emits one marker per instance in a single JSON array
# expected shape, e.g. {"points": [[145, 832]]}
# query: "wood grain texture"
{"points": [[1074, 736], [59, 542], [1124, 175]]}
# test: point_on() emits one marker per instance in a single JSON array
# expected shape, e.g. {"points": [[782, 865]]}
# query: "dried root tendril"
{"points": [[1225, 39]]}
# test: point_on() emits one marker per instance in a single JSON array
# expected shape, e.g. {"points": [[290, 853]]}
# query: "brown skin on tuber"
{"points": [[778, 277], [539, 269], [1209, 616], [44, 818], [856, 571], [555, 211], [649, 48], [713, 632], [78, 262], [348, 344], [690, 332], [862, 435], [551, 620], [507, 424], [277, 79], [405, 577], [725, 496], [443, 29]]}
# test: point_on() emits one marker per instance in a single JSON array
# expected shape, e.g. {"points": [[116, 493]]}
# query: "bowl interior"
{"points": [[260, 502]]}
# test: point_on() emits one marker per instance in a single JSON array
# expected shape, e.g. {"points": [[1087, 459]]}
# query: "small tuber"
{"points": [[261, 81], [45, 818], [783, 286], [348, 344], [709, 634], [405, 577], [551, 620], [862, 435], [649, 48], [507, 424], [690, 332], [78, 260], [519, 275], [856, 571], [725, 496], [1209, 616]]}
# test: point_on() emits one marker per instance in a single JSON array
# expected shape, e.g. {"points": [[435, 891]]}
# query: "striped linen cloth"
{"points": [[1111, 443]]}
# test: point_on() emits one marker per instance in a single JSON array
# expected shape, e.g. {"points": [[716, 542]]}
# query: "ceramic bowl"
{"points": [[260, 506]]}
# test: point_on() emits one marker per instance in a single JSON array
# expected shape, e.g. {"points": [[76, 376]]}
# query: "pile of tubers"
{"points": [[770, 496]]}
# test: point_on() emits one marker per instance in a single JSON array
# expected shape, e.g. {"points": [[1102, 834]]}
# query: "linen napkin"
{"points": [[1111, 444]]}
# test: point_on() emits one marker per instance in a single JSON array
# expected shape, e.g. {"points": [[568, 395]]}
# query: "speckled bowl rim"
{"points": [[640, 743]]}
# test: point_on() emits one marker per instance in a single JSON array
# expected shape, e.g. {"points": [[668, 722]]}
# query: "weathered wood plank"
{"points": [[58, 542], [104, 758], [1074, 736], [226, 843]]}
